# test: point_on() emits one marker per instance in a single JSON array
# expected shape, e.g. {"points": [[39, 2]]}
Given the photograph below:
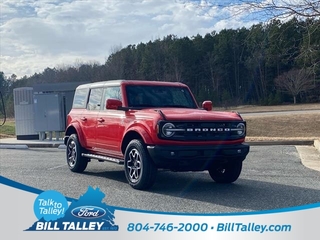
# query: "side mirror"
{"points": [[113, 104], [207, 105]]}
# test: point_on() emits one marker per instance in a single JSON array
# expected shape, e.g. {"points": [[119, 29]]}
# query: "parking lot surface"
{"points": [[273, 177]]}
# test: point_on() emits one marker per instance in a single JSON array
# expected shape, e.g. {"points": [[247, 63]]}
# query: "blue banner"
{"points": [[32, 213]]}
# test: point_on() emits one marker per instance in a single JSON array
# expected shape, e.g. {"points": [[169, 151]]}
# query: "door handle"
{"points": [[100, 120], [83, 119]]}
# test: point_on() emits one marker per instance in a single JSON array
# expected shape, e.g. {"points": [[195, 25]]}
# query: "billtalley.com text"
{"points": [[252, 227]]}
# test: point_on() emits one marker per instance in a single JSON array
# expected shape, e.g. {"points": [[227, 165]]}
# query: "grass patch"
{"points": [[8, 129], [304, 126], [292, 126]]}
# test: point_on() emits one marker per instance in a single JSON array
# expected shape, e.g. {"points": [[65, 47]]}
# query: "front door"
{"points": [[109, 128]]}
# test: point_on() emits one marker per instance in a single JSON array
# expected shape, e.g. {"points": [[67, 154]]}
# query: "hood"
{"points": [[187, 114]]}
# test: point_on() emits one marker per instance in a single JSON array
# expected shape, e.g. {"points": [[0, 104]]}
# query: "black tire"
{"points": [[75, 161], [227, 172], [139, 169]]}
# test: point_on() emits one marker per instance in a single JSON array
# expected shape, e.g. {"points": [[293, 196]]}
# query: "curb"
{"points": [[316, 144], [15, 146], [293, 142], [31, 145]]}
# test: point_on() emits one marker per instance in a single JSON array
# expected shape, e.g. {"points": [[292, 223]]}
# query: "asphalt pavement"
{"points": [[272, 178]]}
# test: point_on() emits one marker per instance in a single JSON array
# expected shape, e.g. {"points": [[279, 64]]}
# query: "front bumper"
{"points": [[196, 158]]}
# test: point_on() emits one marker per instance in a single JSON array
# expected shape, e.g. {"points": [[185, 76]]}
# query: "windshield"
{"points": [[159, 96]]}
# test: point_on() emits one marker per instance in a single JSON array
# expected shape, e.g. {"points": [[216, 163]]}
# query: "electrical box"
{"points": [[49, 112], [52, 102], [42, 109], [23, 112]]}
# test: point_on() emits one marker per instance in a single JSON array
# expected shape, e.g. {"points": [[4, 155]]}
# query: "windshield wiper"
{"points": [[142, 105], [176, 106]]}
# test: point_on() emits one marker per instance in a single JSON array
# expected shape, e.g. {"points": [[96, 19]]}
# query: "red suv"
{"points": [[148, 125]]}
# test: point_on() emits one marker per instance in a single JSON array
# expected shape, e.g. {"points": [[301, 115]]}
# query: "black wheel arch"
{"points": [[74, 130], [127, 139]]}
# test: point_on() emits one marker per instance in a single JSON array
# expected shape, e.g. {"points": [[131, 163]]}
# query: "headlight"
{"points": [[241, 129], [166, 129]]}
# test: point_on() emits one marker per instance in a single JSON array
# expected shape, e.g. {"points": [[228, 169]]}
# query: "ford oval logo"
{"points": [[88, 212]]}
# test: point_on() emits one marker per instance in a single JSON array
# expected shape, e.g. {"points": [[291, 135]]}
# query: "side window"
{"points": [[111, 92], [95, 99], [80, 98]]}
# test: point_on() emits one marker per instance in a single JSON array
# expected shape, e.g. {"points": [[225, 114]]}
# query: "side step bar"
{"points": [[103, 158]]}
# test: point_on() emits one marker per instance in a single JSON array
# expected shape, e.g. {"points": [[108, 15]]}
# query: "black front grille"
{"points": [[203, 131]]}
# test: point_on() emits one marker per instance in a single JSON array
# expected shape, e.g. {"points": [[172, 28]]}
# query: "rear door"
{"points": [[90, 115]]}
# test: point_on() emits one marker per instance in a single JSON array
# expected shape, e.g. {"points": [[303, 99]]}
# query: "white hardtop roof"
{"points": [[133, 82]]}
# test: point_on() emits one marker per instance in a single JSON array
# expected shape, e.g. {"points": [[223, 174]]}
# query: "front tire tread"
{"points": [[76, 162]]}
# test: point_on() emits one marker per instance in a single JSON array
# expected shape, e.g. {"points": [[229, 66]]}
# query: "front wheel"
{"points": [[76, 162], [139, 169], [227, 172]]}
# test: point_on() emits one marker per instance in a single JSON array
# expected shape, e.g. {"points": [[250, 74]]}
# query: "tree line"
{"points": [[268, 63]]}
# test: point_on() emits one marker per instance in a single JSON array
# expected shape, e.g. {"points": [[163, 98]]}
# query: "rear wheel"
{"points": [[225, 173], [139, 169], [74, 151]]}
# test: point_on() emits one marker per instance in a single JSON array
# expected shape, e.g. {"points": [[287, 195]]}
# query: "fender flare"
{"points": [[136, 130], [77, 128]]}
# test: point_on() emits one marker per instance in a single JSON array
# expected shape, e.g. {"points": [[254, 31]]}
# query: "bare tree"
{"points": [[294, 82], [308, 10], [270, 8], [285, 8]]}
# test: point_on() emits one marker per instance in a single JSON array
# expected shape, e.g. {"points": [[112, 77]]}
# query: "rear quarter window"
{"points": [[80, 98]]}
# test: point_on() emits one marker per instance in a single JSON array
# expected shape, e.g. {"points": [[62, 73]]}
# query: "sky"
{"points": [[35, 35]]}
